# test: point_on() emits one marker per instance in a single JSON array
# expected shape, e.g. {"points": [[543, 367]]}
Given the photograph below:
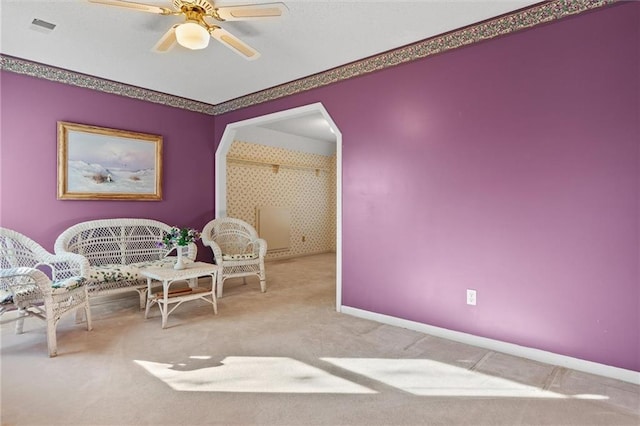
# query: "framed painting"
{"points": [[98, 163]]}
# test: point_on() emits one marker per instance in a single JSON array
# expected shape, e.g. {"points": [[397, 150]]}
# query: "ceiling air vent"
{"points": [[42, 26]]}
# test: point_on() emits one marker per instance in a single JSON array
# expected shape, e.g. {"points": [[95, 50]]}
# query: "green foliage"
{"points": [[179, 237]]}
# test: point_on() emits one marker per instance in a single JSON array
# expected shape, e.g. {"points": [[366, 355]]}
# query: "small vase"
{"points": [[179, 264]]}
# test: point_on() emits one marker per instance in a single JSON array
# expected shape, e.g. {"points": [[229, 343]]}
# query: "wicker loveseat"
{"points": [[116, 250]]}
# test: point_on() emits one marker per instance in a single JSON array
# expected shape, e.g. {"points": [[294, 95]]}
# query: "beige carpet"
{"points": [[283, 358]]}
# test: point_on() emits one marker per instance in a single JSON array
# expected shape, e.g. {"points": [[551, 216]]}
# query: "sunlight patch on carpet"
{"points": [[425, 377], [252, 374]]}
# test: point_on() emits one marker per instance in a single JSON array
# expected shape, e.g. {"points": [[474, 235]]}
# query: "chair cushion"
{"points": [[29, 292], [166, 262], [113, 273], [131, 272], [245, 256], [68, 284]]}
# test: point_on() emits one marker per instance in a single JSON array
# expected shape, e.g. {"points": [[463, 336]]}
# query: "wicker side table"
{"points": [[168, 297]]}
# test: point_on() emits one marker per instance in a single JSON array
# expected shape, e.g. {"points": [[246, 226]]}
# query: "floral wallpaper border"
{"points": [[20, 66], [517, 21]]}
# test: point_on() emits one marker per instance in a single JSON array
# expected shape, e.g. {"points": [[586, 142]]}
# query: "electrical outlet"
{"points": [[471, 297]]}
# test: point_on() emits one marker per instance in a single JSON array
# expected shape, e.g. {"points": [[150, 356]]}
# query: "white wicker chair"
{"points": [[237, 248], [25, 287]]}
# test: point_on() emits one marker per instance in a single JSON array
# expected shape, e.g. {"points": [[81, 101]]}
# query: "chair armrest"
{"points": [[215, 248], [66, 265], [260, 247]]}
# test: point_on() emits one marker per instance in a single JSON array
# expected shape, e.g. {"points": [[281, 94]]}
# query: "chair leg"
{"points": [[263, 279], [87, 314], [51, 337], [22, 313], [143, 297], [219, 284]]}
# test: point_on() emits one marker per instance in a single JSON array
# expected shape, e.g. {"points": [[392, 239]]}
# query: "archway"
{"points": [[229, 136]]}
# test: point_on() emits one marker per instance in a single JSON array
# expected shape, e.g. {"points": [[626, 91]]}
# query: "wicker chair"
{"points": [[25, 287], [237, 248]]}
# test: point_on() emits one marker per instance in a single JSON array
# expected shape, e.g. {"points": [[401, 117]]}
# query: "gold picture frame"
{"points": [[99, 163]]}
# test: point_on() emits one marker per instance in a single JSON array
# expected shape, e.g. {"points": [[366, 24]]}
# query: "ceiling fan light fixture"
{"points": [[192, 35]]}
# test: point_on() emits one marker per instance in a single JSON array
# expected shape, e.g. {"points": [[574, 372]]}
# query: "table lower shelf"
{"points": [[180, 292], [176, 298]]}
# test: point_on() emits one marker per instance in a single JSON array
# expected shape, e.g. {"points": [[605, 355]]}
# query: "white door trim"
{"points": [[221, 171]]}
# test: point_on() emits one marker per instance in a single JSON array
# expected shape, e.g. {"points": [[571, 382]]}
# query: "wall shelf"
{"points": [[275, 165]]}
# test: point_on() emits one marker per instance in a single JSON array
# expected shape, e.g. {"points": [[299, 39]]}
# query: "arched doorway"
{"points": [[230, 133]]}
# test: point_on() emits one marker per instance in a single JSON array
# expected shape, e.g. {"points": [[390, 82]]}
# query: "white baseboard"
{"points": [[504, 347], [295, 256]]}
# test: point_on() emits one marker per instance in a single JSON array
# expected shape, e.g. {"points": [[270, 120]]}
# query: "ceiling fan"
{"points": [[195, 32]]}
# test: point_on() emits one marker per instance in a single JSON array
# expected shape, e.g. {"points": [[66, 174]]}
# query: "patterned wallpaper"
{"points": [[310, 194]]}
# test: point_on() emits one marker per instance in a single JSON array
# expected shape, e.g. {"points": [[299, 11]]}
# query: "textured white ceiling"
{"points": [[115, 43], [312, 126]]}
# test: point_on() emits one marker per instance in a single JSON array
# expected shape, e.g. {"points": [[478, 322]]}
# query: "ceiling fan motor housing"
{"points": [[190, 5]]}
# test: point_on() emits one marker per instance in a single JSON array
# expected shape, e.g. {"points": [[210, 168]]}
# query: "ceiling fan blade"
{"points": [[251, 12], [234, 43], [136, 6], [167, 41]]}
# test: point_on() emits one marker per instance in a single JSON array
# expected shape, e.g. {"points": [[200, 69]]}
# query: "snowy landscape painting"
{"points": [[108, 164]]}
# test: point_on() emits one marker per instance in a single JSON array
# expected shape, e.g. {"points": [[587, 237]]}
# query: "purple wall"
{"points": [[511, 167], [31, 108]]}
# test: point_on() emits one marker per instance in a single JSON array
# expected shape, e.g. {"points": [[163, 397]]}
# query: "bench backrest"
{"points": [[117, 241]]}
